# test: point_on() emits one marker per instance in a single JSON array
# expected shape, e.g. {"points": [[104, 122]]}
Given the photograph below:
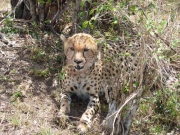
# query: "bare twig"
{"points": [[165, 41], [21, 29], [2, 119]]}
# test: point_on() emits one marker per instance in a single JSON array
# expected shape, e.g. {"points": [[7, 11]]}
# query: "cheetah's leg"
{"points": [[65, 104], [92, 108]]}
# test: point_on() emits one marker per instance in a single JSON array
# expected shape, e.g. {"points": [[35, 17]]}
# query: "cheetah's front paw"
{"points": [[62, 120]]}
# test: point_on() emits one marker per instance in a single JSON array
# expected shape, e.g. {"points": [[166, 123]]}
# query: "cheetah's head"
{"points": [[81, 51]]}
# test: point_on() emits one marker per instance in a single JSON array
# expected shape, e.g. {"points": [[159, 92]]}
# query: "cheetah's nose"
{"points": [[78, 61]]}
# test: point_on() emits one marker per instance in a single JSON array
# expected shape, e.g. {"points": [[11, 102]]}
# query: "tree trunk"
{"points": [[42, 12], [48, 14], [33, 9]]}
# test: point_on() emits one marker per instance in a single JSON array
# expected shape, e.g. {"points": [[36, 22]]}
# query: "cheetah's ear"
{"points": [[63, 38], [100, 44]]}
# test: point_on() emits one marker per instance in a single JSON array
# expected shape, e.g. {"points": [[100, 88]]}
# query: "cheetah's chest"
{"points": [[81, 86]]}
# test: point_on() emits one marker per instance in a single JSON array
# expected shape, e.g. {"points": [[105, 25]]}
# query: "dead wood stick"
{"points": [[167, 43], [5, 40]]}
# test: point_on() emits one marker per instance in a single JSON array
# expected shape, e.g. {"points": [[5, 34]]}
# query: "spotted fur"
{"points": [[92, 68]]}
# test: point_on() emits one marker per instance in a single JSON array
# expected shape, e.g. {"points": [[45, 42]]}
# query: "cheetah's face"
{"points": [[80, 50]]}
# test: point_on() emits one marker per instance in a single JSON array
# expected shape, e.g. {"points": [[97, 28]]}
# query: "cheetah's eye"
{"points": [[85, 50], [71, 48]]}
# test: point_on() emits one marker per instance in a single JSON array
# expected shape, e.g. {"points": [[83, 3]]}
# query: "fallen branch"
{"points": [[5, 40], [20, 29]]}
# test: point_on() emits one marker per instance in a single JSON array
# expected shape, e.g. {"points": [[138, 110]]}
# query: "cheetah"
{"points": [[94, 67]]}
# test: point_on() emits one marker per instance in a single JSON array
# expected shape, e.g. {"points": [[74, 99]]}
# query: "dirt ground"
{"points": [[29, 101]]}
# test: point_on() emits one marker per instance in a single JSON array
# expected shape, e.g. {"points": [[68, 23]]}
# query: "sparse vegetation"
{"points": [[29, 100], [8, 27], [45, 131], [17, 94]]}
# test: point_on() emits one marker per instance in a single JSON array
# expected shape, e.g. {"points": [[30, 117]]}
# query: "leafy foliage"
{"points": [[155, 23]]}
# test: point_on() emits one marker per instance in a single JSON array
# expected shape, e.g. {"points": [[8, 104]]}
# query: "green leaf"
{"points": [[81, 14], [127, 54], [48, 21], [17, 94], [85, 24], [134, 8], [115, 22], [49, 1], [91, 12], [152, 33], [91, 25], [114, 9], [175, 42], [41, 1], [163, 23], [82, 4], [109, 58], [100, 9]]}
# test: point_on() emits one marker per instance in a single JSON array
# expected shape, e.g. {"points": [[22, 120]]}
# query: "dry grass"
{"points": [[159, 32], [29, 102]]}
